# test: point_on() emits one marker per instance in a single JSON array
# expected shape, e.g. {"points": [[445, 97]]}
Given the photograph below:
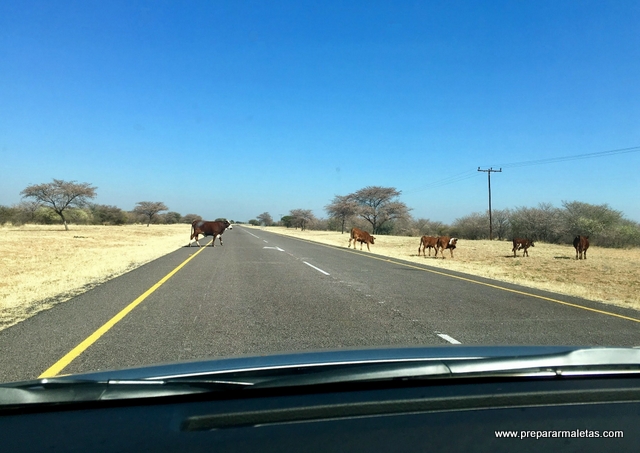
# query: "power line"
{"points": [[473, 173], [552, 160], [445, 181]]}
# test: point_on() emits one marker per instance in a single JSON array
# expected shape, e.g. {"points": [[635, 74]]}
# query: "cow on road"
{"points": [[202, 227]]}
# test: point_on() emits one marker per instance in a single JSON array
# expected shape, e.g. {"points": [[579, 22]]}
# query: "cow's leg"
{"points": [[451, 250], [585, 254], [368, 246], [219, 237]]}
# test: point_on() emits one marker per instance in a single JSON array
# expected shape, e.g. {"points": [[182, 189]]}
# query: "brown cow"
{"points": [[215, 229], [427, 242], [581, 244], [358, 235], [445, 242], [522, 244]]}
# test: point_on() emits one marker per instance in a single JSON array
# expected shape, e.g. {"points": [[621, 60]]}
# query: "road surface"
{"points": [[265, 293]]}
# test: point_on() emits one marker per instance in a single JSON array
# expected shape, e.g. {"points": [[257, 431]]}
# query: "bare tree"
{"points": [[501, 224], [265, 218], [301, 217], [60, 195], [190, 218], [473, 226], [342, 207], [378, 205], [149, 209]]}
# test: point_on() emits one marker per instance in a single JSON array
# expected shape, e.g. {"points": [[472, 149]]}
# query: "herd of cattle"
{"points": [[440, 243]]}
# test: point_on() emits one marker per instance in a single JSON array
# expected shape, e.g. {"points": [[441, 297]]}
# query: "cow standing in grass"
{"points": [[427, 242], [581, 244], [358, 235], [521, 244], [446, 242]]}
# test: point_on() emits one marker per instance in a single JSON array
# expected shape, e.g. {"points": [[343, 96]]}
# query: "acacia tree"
{"points": [[265, 218], [60, 196], [342, 207], [379, 205], [301, 217], [149, 209]]}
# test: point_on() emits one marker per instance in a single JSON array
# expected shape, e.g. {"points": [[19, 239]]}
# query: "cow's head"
{"points": [[453, 242], [372, 239], [531, 244]]}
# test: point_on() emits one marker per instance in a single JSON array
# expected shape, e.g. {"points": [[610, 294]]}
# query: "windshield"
{"points": [[192, 181]]}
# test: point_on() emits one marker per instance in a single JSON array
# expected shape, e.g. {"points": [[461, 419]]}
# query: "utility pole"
{"points": [[488, 172]]}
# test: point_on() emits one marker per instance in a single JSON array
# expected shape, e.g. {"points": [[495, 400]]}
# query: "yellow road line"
{"points": [[387, 259], [75, 352]]}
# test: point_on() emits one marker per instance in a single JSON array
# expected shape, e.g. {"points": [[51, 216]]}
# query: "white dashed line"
{"points": [[448, 338], [253, 235], [265, 241], [316, 268]]}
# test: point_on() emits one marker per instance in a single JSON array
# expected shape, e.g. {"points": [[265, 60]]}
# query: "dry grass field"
{"points": [[44, 265], [608, 275]]}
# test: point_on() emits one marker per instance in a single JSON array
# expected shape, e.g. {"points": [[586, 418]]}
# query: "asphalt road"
{"points": [[265, 293]]}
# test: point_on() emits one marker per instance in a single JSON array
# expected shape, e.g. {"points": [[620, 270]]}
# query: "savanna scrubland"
{"points": [[42, 265]]}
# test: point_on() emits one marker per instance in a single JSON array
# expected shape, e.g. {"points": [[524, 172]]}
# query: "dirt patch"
{"points": [[608, 275]]}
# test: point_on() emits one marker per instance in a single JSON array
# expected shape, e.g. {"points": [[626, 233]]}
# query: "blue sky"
{"points": [[233, 108]]}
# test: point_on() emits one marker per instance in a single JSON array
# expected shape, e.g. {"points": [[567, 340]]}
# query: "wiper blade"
{"points": [[581, 362], [591, 361], [63, 390], [577, 362], [370, 372]]}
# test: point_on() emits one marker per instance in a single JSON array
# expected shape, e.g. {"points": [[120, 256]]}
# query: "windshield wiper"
{"points": [[574, 363], [63, 390], [581, 362]]}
